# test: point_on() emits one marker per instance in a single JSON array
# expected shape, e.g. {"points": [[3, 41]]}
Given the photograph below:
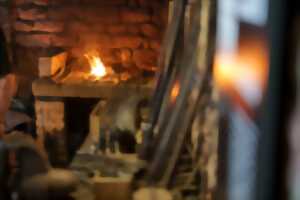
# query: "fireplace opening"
{"points": [[71, 56], [122, 36]]}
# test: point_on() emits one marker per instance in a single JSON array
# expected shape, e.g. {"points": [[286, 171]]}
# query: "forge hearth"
{"points": [[52, 106], [59, 84], [126, 34], [58, 79]]}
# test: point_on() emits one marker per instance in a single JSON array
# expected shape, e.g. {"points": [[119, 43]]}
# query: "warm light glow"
{"points": [[175, 91], [97, 67], [244, 73], [224, 70]]}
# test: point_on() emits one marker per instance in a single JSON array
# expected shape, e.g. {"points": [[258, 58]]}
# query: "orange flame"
{"points": [[97, 67]]}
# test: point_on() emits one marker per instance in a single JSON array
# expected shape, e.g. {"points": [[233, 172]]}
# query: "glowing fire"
{"points": [[97, 67]]}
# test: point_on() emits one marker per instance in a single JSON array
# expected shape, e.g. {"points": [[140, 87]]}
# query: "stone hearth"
{"points": [[126, 33]]}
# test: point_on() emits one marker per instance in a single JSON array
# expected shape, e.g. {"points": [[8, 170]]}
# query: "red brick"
{"points": [[78, 27], [95, 37], [150, 31], [36, 2], [31, 14], [22, 26], [76, 52], [48, 26], [100, 40], [20, 2], [41, 2], [99, 28], [104, 15], [125, 55], [145, 59], [133, 29], [145, 44], [62, 41], [56, 14], [109, 56], [44, 26], [58, 2], [34, 40], [126, 41], [155, 45], [135, 16], [44, 40], [144, 3], [104, 3], [117, 29], [62, 13]]}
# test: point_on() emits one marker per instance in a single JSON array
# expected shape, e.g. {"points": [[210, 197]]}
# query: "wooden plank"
{"points": [[48, 66], [47, 88]]}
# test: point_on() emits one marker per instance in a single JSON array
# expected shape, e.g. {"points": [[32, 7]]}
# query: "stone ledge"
{"points": [[46, 87]]}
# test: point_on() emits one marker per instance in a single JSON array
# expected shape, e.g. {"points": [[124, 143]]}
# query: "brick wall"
{"points": [[125, 32]]}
